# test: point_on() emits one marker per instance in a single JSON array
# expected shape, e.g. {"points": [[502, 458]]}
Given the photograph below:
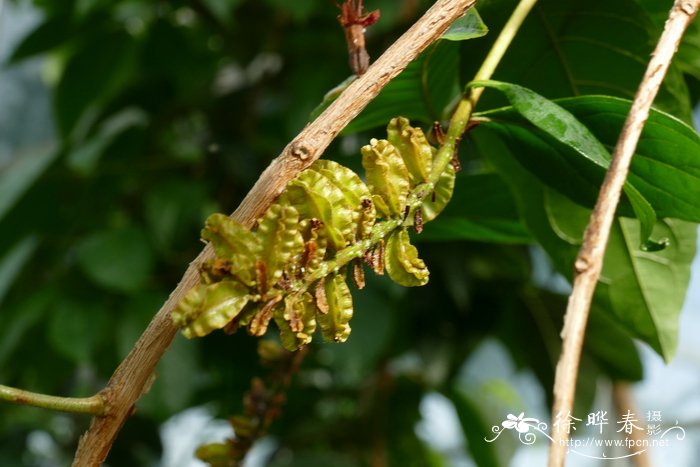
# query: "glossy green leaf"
{"points": [[643, 290], [280, 241], [233, 242], [482, 209], [578, 48], [402, 262], [387, 176], [334, 324], [469, 26], [208, 307], [120, 260], [565, 128], [664, 169]]}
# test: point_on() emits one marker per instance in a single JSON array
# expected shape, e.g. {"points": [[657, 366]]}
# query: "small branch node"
{"points": [[301, 151], [688, 8], [581, 265]]}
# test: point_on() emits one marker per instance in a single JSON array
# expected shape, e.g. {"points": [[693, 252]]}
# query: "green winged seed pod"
{"points": [[387, 177], [402, 262], [414, 148], [444, 187], [357, 194], [317, 196], [296, 320], [335, 323], [280, 241], [209, 307], [234, 243]]}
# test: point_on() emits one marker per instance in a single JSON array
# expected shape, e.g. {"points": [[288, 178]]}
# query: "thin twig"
{"points": [[590, 258], [135, 373], [94, 405], [623, 400]]}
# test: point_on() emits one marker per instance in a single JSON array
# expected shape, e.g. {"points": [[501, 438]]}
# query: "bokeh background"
{"points": [[123, 124]]}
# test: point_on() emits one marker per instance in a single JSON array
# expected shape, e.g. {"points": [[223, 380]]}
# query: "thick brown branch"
{"points": [[590, 258], [134, 374]]}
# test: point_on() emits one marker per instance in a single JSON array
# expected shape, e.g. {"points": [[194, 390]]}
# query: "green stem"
{"points": [[380, 231], [94, 405], [463, 112]]}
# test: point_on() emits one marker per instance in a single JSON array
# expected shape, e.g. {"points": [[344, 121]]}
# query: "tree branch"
{"points": [[91, 405], [134, 374], [590, 258], [623, 400]]}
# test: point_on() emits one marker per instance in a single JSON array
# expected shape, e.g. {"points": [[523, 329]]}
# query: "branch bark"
{"points": [[623, 400], [590, 258], [133, 376]]}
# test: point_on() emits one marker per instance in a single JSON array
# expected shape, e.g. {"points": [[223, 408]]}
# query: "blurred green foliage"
{"points": [[167, 111]]}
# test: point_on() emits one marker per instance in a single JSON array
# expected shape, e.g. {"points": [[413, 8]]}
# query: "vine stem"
{"points": [[94, 405], [590, 258], [133, 376], [463, 112]]}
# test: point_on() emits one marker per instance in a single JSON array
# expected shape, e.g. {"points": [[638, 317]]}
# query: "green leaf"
{"points": [[482, 209], [208, 307], [612, 347], [76, 328], [475, 428], [665, 170], [120, 260], [85, 157], [578, 48], [469, 26], [334, 324], [173, 209], [14, 260], [46, 36], [91, 77], [402, 262], [643, 290], [22, 172], [18, 320], [565, 128], [688, 56], [387, 176]]}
